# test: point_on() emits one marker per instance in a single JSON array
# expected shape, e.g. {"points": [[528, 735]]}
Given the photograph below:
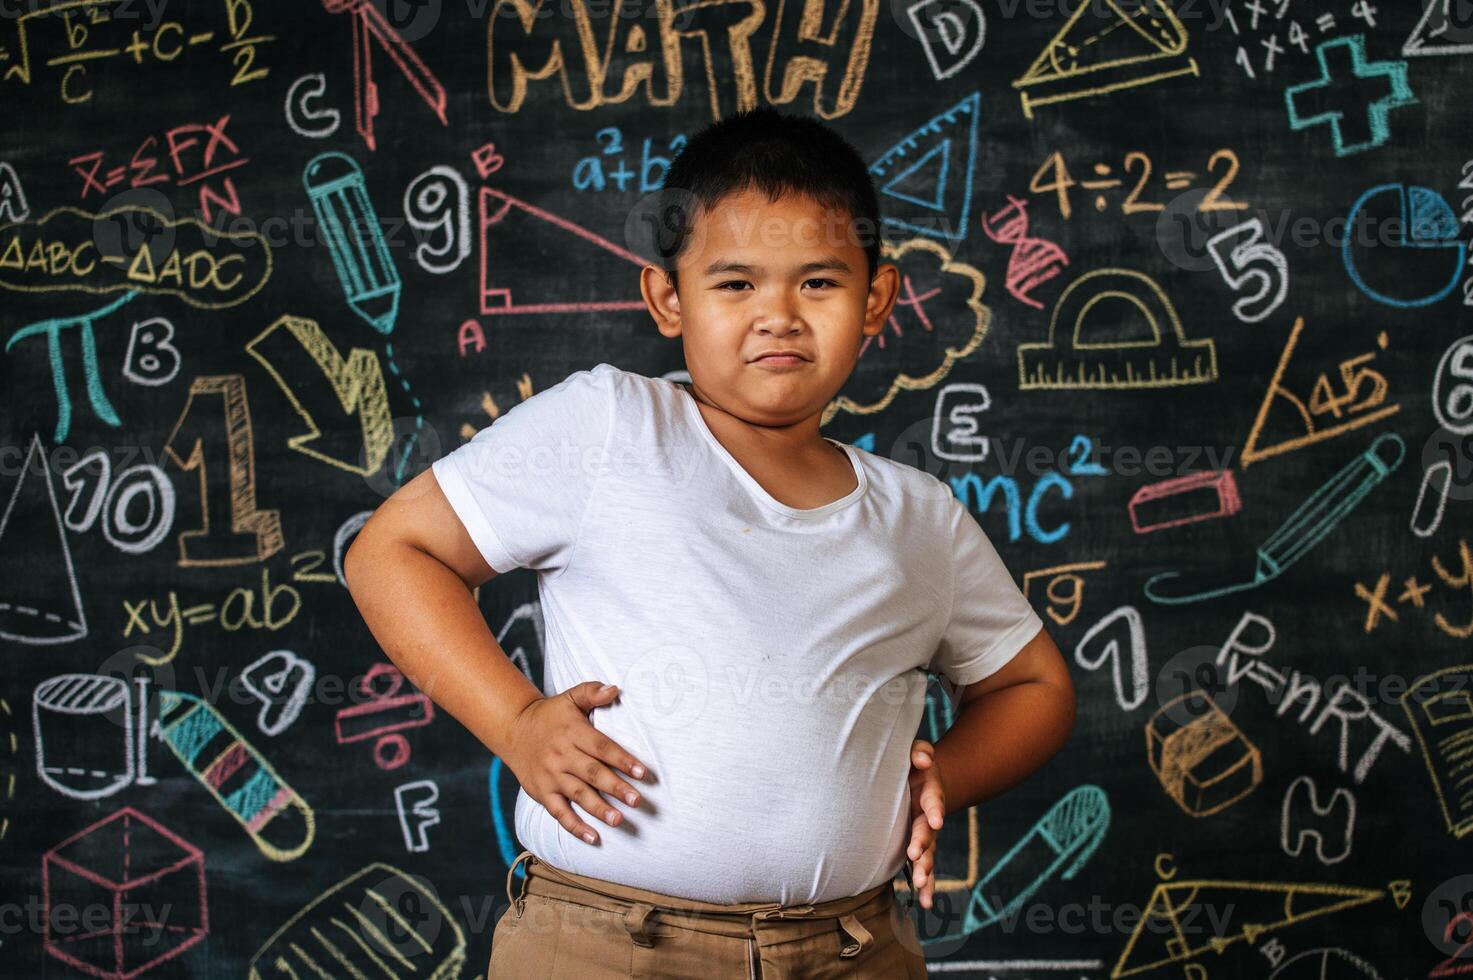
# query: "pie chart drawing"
{"points": [[1401, 245]]}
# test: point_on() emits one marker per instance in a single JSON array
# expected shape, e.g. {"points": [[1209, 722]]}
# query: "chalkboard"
{"points": [[1185, 324]]}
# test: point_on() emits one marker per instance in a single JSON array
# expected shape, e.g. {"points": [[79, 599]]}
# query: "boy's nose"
{"points": [[779, 317]]}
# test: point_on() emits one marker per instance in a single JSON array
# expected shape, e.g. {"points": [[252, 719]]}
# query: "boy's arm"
{"points": [[411, 570], [1007, 725]]}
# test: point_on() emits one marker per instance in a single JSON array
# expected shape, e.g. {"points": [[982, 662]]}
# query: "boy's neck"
{"points": [[795, 440]]}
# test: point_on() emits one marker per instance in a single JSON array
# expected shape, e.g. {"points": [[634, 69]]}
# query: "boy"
{"points": [[765, 603]]}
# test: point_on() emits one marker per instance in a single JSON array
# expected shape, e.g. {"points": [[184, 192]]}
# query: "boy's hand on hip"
{"points": [[559, 758], [927, 812]]}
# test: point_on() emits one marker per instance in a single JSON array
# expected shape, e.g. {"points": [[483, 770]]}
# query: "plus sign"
{"points": [[1255, 8], [1414, 592], [1341, 95]]}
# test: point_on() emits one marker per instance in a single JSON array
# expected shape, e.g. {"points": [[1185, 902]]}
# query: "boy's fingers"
{"points": [[605, 749], [591, 769], [921, 837], [924, 879], [589, 799], [932, 805], [557, 805], [591, 694]]}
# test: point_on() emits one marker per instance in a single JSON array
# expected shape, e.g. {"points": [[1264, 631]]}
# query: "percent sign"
{"points": [[382, 715]]}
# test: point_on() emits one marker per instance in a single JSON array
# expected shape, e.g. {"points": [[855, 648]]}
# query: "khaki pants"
{"points": [[567, 925]]}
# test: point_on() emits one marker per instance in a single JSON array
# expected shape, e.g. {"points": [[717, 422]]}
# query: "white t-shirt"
{"points": [[771, 660]]}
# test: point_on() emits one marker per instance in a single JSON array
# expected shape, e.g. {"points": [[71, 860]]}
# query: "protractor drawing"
{"points": [[1115, 328]]}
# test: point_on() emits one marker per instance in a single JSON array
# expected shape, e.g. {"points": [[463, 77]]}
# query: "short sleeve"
{"points": [[522, 484], [991, 619]]}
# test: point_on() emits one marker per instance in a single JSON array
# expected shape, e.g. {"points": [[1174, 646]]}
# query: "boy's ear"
{"points": [[661, 299], [884, 289]]}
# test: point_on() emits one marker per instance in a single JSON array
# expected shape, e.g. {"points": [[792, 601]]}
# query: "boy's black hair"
{"points": [[765, 150]]}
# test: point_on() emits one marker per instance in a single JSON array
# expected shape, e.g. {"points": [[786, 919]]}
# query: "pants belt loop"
{"points": [[637, 922], [519, 900], [783, 912], [863, 938]]}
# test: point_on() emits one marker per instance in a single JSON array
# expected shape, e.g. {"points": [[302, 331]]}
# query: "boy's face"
{"points": [[758, 276]]}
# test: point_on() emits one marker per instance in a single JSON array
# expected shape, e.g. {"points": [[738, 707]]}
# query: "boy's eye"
{"points": [[743, 282]]}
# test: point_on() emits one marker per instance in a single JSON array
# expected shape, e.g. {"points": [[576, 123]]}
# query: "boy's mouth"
{"points": [[780, 357]]}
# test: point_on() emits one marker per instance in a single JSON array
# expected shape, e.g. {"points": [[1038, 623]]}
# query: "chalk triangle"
{"points": [[926, 178]]}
